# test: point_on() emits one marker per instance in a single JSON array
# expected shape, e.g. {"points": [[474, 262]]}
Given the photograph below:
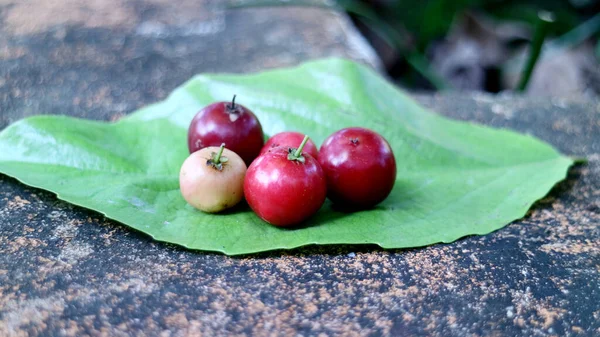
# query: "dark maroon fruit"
{"points": [[360, 167], [230, 123]]}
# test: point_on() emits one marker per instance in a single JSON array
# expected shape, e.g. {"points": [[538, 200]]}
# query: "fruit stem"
{"points": [[299, 149], [217, 159], [233, 102], [296, 154]]}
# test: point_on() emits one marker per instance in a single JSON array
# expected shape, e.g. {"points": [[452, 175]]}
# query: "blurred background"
{"points": [[539, 47], [104, 58]]}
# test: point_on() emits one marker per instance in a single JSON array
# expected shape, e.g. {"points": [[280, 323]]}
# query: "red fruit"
{"points": [[284, 187], [230, 123], [360, 167], [290, 139]]}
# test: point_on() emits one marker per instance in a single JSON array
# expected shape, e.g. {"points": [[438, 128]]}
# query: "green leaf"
{"points": [[454, 178]]}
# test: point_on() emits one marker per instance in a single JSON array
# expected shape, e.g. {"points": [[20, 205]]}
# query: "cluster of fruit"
{"points": [[286, 179]]}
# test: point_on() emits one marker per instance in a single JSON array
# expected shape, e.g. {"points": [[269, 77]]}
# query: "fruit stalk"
{"points": [[297, 153], [299, 149], [217, 159], [233, 103]]}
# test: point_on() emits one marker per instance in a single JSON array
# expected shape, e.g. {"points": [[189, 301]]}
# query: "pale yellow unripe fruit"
{"points": [[211, 187]]}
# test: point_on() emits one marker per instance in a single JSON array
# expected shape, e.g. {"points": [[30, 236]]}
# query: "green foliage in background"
{"points": [[410, 27]]}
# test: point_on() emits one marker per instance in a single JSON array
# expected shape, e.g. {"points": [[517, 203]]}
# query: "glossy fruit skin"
{"points": [[209, 189], [234, 125], [360, 167], [290, 139], [284, 192]]}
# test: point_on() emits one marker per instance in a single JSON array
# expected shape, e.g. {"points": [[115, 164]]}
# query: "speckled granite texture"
{"points": [[67, 271]]}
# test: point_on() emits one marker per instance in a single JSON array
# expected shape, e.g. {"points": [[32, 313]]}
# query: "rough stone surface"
{"points": [[67, 271], [89, 63]]}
